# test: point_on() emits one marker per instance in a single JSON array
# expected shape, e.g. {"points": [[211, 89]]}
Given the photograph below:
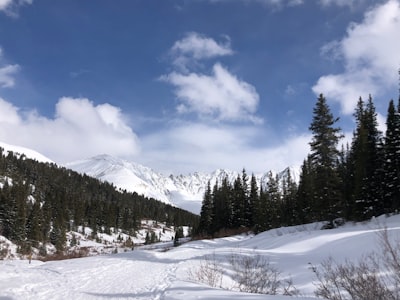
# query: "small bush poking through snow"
{"points": [[255, 274], [209, 272], [251, 274], [373, 277]]}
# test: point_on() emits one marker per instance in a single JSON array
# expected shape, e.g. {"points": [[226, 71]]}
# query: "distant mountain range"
{"points": [[184, 191]]}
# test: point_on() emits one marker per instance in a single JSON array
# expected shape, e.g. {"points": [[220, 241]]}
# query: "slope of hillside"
{"points": [[184, 191], [143, 274], [29, 153]]}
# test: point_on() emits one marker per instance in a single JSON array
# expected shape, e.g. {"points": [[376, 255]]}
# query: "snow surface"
{"points": [[29, 153], [145, 274]]}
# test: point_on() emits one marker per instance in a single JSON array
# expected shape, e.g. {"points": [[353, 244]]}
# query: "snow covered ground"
{"points": [[151, 274]]}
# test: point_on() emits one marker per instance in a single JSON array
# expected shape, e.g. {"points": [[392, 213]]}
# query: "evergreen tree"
{"points": [[238, 201], [324, 158], [392, 159], [345, 178], [253, 202], [273, 197], [289, 189], [206, 213], [366, 170], [34, 224], [305, 207]]}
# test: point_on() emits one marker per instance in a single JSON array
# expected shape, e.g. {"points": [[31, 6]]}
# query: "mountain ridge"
{"points": [[184, 191]]}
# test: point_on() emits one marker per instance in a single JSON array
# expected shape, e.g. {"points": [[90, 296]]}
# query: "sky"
{"points": [[190, 85]]}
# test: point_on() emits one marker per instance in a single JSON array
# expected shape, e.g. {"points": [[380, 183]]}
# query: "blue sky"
{"points": [[184, 86]]}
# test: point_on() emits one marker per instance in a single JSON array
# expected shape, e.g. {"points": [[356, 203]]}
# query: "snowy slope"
{"points": [[142, 274], [184, 191], [29, 153]]}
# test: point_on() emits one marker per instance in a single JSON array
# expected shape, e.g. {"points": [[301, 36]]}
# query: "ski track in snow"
{"points": [[124, 276], [153, 275]]}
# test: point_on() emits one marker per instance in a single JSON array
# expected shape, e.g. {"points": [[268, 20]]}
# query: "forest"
{"points": [[40, 202], [337, 183]]}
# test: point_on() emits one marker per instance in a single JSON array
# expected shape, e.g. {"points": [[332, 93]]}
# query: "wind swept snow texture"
{"points": [[144, 274]]}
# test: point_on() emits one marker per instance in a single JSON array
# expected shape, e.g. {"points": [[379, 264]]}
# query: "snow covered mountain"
{"points": [[29, 153], [184, 191]]}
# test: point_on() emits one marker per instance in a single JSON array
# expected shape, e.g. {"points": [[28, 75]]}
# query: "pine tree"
{"points": [[392, 159], [289, 189], [206, 213], [365, 167], [239, 203], [375, 162], [274, 198], [253, 201], [324, 158], [305, 206]]}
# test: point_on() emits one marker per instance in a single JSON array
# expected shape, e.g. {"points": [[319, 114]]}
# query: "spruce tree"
{"points": [[304, 206], [289, 189], [365, 165], [206, 213], [253, 202], [273, 199], [324, 158], [392, 159]]}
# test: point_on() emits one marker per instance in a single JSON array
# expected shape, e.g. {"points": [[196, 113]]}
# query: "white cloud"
{"points": [[4, 4], [221, 95], [7, 72], [370, 53], [276, 4], [192, 147], [200, 47], [10, 7], [339, 2], [8, 113], [79, 129], [6, 75], [194, 47]]}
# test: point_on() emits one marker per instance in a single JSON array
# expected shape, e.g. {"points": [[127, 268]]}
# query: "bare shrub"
{"points": [[376, 276], [81, 252], [391, 260], [255, 274], [348, 280], [251, 273], [209, 272]]}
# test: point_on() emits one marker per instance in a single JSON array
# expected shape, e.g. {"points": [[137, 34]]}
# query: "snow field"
{"points": [[144, 274]]}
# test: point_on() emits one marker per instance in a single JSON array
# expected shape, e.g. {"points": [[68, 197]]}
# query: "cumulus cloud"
{"points": [[205, 147], [6, 75], [195, 47], [79, 129], [7, 72], [220, 95], [10, 7], [370, 54], [82, 129]]}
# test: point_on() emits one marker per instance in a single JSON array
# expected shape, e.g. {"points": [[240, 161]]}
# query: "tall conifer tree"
{"points": [[324, 159], [392, 159]]}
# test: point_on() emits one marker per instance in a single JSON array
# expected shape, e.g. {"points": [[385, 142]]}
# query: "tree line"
{"points": [[40, 202], [355, 182]]}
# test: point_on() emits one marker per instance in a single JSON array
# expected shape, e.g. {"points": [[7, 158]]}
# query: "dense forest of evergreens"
{"points": [[39, 202], [356, 182]]}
